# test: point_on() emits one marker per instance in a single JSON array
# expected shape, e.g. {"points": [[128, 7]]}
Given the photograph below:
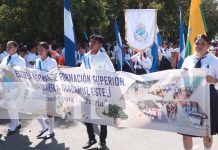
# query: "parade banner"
{"points": [[140, 28], [174, 100]]}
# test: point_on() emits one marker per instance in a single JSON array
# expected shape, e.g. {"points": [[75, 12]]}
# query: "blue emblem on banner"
{"points": [[141, 33]]}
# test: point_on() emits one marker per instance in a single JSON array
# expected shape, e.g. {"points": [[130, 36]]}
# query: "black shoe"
{"points": [[12, 132], [15, 131], [101, 145], [42, 132], [19, 126], [89, 144], [49, 136]]}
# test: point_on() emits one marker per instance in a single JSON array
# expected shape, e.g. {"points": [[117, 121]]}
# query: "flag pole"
{"points": [[121, 51]]}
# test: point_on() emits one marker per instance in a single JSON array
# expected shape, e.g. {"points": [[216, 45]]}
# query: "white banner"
{"points": [[173, 100], [140, 27]]}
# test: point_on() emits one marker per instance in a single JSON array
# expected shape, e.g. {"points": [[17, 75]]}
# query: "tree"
{"points": [[115, 112], [211, 16], [24, 20]]}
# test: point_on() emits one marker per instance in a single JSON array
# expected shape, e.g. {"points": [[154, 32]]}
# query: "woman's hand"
{"points": [[211, 79]]}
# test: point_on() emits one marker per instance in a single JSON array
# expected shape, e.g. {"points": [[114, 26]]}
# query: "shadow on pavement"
{"points": [[15, 142], [22, 142], [97, 149], [53, 145]]}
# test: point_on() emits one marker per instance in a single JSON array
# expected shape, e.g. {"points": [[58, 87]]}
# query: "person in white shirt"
{"points": [[3, 55], [127, 60], [45, 63], [31, 55], [82, 51], [203, 59], [165, 57], [22, 52], [96, 60], [13, 59], [142, 63], [166, 50]]}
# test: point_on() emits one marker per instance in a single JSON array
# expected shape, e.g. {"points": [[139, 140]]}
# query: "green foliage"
{"points": [[24, 20], [115, 112]]}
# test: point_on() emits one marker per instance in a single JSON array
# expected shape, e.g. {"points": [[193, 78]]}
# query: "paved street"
{"points": [[72, 135]]}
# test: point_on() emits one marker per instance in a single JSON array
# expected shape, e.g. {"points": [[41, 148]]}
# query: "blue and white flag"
{"points": [[69, 36], [181, 43], [119, 50], [140, 28], [154, 51]]}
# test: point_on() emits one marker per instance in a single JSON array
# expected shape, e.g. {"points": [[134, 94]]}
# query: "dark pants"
{"points": [[91, 134], [140, 71], [165, 64]]}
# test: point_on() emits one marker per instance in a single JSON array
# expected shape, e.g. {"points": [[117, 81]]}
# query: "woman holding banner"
{"points": [[203, 59], [46, 63], [13, 59]]}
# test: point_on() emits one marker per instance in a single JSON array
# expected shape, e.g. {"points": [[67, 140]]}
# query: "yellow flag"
{"points": [[197, 25]]}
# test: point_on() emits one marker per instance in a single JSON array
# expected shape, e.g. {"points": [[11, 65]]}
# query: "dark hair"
{"points": [[23, 49], [46, 46], [202, 36], [98, 38], [54, 46], [83, 46], [31, 45], [15, 44]]}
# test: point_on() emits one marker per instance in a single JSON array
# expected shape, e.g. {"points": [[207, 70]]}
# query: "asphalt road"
{"points": [[72, 135]]}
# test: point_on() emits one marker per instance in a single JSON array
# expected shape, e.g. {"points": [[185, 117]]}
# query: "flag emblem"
{"points": [[141, 33]]}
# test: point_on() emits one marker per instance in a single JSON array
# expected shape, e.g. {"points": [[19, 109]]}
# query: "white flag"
{"points": [[140, 27]]}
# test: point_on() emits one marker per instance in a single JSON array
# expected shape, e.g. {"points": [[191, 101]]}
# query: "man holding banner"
{"points": [[96, 60]]}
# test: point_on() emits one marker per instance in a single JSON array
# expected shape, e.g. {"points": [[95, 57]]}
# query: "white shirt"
{"points": [[30, 57], [47, 65], [168, 52], [210, 62], [15, 60], [102, 49], [100, 61], [3, 55], [146, 63]]}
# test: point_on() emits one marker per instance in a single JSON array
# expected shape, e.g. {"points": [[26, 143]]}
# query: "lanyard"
{"points": [[40, 65]]}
